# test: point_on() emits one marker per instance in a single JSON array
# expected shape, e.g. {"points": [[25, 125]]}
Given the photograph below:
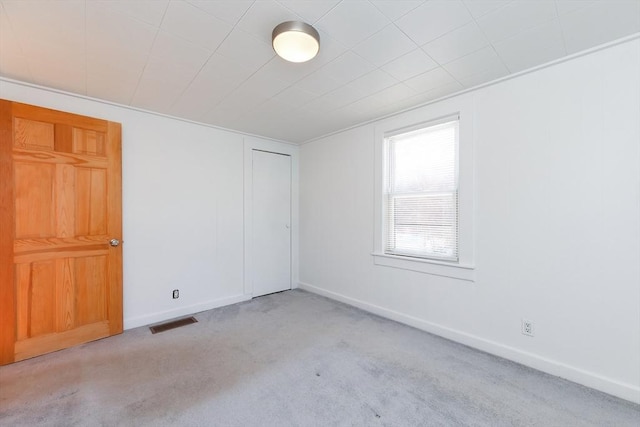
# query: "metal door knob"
{"points": [[114, 242]]}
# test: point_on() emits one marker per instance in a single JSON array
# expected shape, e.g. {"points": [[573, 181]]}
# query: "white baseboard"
{"points": [[148, 319], [571, 373]]}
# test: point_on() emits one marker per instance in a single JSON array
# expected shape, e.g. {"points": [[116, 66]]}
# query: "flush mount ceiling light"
{"points": [[295, 41]]}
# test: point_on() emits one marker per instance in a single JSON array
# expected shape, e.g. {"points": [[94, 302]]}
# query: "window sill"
{"points": [[436, 268]]}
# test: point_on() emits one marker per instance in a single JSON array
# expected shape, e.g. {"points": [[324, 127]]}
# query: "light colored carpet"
{"points": [[292, 359]]}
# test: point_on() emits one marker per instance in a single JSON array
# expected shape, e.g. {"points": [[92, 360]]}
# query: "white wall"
{"points": [[556, 224], [183, 205]]}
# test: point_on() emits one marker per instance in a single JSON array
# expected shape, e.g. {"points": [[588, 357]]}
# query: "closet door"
{"points": [[271, 232]]}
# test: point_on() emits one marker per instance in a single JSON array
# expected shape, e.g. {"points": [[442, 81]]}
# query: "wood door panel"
{"points": [[61, 281], [91, 211], [40, 304], [45, 301], [33, 134], [87, 141], [91, 275], [60, 295], [35, 202]]}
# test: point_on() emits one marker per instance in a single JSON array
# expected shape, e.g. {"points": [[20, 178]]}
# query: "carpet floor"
{"points": [[292, 359]]}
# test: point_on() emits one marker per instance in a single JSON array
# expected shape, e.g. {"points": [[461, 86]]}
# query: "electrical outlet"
{"points": [[176, 294], [527, 327]]}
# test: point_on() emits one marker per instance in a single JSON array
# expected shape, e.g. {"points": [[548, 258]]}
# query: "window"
{"points": [[424, 190], [421, 192]]}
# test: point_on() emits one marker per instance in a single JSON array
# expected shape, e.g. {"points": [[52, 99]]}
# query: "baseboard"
{"points": [[577, 375], [148, 319]]}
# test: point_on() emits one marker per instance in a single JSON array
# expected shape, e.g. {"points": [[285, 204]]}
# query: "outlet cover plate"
{"points": [[527, 328]]}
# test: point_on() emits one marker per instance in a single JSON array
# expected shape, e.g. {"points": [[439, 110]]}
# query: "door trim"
{"points": [[251, 144]]}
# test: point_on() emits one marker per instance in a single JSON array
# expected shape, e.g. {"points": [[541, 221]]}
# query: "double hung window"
{"points": [[420, 192]]}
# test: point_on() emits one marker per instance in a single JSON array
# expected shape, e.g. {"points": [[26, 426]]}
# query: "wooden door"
{"points": [[271, 228], [60, 194]]}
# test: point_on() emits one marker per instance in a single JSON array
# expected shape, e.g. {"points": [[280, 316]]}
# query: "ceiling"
{"points": [[211, 61]]}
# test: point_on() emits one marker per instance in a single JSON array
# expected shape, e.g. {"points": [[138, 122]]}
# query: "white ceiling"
{"points": [[211, 61]]}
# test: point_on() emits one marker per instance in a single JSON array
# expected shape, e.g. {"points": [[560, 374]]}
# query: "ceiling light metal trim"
{"points": [[295, 41]]}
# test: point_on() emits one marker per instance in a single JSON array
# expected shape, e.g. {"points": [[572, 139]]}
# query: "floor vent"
{"points": [[172, 325]]}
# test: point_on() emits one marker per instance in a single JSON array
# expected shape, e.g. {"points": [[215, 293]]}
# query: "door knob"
{"points": [[114, 242]]}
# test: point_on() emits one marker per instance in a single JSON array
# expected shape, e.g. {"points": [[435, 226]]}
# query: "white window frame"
{"points": [[464, 267], [390, 195]]}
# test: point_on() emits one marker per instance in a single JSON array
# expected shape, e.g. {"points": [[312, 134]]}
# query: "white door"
{"points": [[271, 205]]}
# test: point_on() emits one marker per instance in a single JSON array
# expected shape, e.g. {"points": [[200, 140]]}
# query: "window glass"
{"points": [[421, 197]]}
